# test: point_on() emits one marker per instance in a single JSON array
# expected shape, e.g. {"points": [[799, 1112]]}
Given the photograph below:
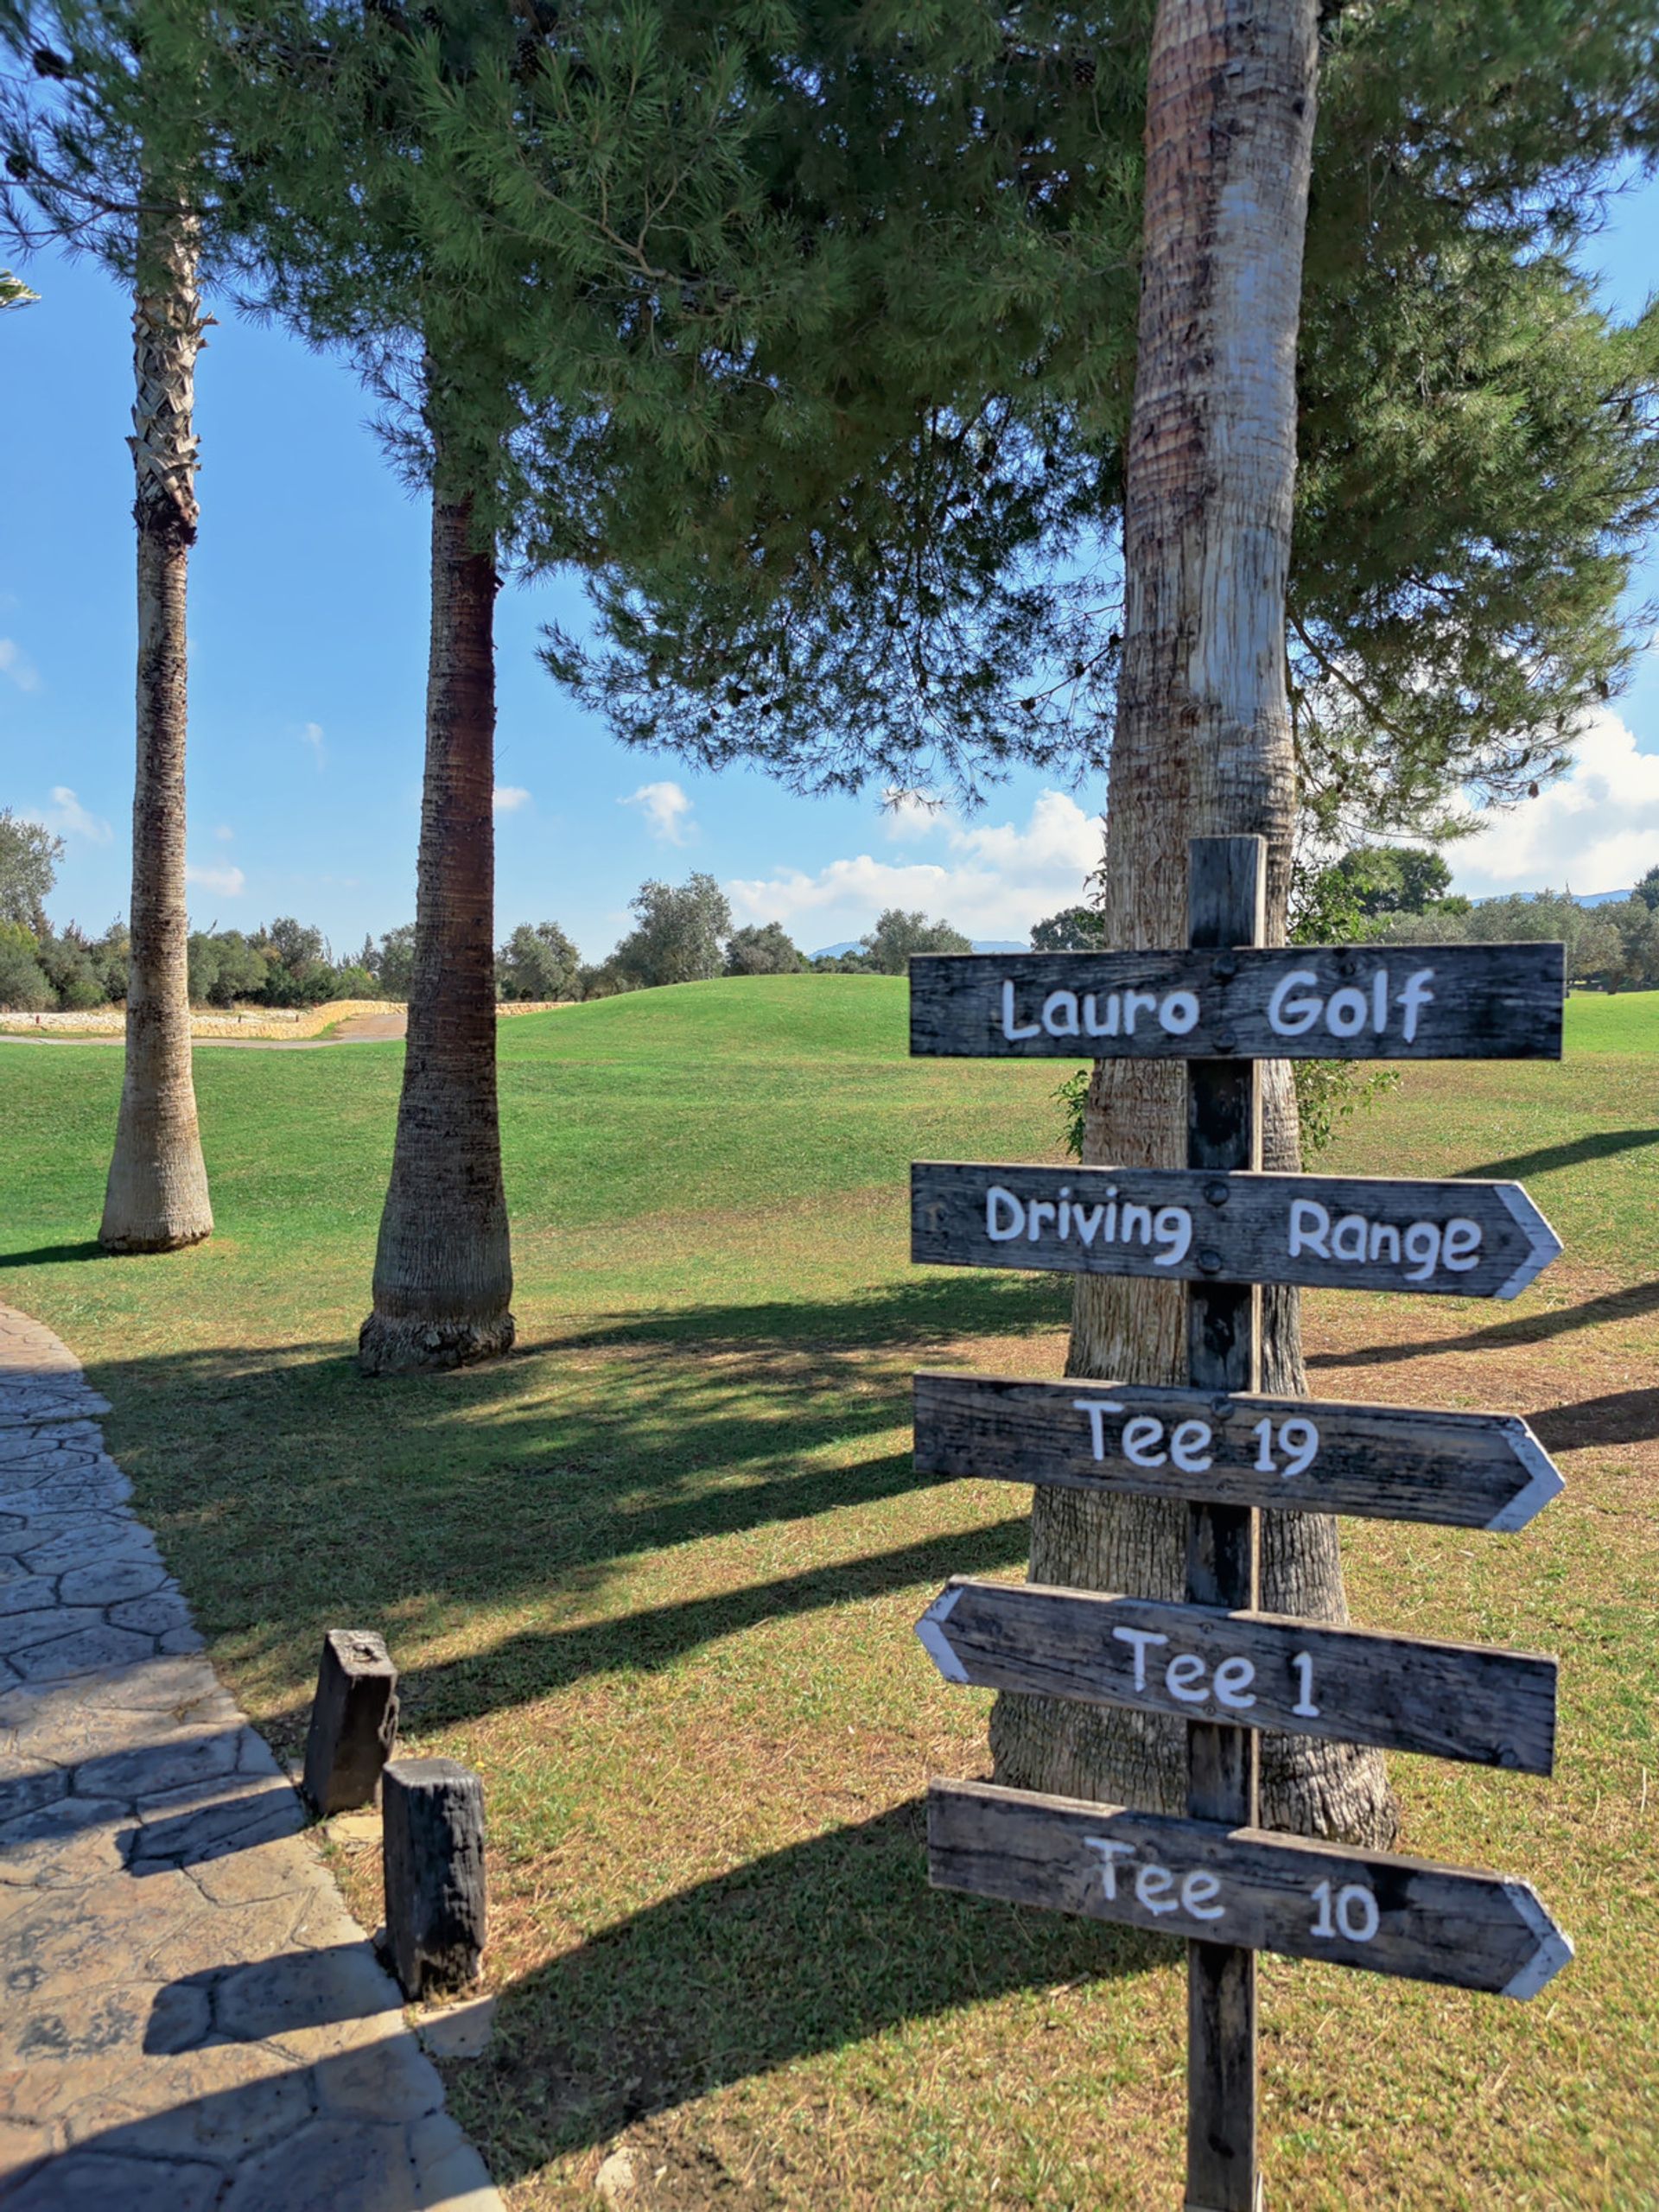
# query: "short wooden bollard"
{"points": [[432, 1847], [353, 1722]]}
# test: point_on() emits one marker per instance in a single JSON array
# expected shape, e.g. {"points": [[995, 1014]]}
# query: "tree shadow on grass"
{"points": [[536, 1663], [47, 1256], [291, 1495], [1603, 1144], [1622, 1417], [1627, 1305], [811, 1948]]}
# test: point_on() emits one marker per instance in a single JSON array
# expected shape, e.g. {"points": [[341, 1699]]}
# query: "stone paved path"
{"points": [[190, 2019]]}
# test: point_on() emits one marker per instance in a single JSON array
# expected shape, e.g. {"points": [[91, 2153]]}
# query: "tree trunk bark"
{"points": [[156, 1196], [1202, 748], [443, 1270]]}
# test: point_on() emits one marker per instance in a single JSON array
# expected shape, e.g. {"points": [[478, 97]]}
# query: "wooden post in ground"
{"points": [[1225, 909]]}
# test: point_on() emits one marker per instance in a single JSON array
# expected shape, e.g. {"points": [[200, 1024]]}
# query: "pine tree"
{"points": [[504, 217], [889, 597], [901, 564]]}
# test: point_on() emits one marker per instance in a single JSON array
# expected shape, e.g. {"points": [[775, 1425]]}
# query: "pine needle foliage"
{"points": [[898, 558]]}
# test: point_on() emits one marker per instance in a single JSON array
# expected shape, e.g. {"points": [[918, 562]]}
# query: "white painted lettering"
{"points": [[1460, 1249], [1197, 1891], [1348, 1237], [1189, 1447], [1131, 1215], [1153, 1884], [1087, 1221], [1179, 1013], [1092, 1024], [1304, 1709], [1061, 1013], [1034, 1214], [1288, 1017], [1423, 1250], [1411, 1001], [1096, 1409], [1110, 1852], [1005, 1215], [1385, 1235], [1139, 1439], [1011, 1029], [1184, 1678], [1131, 1000], [1173, 1227], [1139, 1639], [1346, 1011], [1309, 1228], [1233, 1680]]}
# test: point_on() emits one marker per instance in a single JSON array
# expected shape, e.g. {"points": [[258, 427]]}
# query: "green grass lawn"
{"points": [[655, 1575]]}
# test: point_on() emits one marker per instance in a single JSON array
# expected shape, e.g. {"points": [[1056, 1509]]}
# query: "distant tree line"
{"points": [[683, 933]]}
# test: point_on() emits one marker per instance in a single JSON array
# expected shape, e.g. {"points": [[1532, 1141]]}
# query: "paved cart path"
{"points": [[192, 2022]]}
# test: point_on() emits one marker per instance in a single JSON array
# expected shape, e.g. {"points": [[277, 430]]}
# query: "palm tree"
{"points": [[156, 1196], [83, 165], [1202, 748]]}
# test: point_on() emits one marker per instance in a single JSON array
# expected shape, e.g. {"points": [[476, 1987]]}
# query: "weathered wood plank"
{"points": [[1249, 1670], [1268, 1892], [1360, 1002], [1390, 1463], [1337, 1232]]}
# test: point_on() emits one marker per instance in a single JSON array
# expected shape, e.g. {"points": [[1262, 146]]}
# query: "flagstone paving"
{"points": [[192, 2022]]}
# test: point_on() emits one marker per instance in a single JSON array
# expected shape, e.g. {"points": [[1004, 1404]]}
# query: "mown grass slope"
{"points": [[655, 1575]]}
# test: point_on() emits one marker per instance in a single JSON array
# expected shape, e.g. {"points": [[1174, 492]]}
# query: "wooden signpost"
{"points": [[1251, 1670], [1383, 1462], [1230, 1670], [1284, 1002], [1329, 1232]]}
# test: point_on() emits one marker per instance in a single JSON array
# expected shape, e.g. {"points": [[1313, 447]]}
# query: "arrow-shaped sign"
{"points": [[1341, 1232], [1300, 1002], [1393, 1463], [1244, 1886], [1249, 1670]]}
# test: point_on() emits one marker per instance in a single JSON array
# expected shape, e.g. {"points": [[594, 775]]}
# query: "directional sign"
{"points": [[1249, 1670], [1390, 1463], [1348, 1002], [1244, 1886], [1340, 1232]]}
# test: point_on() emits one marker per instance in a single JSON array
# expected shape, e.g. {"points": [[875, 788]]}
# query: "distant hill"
{"points": [[991, 944]]}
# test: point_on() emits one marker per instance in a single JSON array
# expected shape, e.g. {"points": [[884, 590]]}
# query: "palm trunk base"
{"points": [[407, 1344], [121, 1242], [155, 1199]]}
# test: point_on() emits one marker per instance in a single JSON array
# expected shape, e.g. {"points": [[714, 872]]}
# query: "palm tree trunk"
{"points": [[443, 1270], [1202, 748], [156, 1198]]}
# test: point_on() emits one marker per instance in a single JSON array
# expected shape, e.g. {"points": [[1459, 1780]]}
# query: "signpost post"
{"points": [[1220, 1225]]}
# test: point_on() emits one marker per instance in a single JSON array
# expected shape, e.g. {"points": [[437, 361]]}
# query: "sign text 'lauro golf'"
{"points": [[1217, 1660], [1438, 1002]]}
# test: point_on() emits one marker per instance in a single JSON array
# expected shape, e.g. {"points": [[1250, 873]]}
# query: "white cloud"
{"points": [[1597, 829], [224, 833], [67, 817], [666, 809], [1000, 879], [312, 735], [230, 882], [907, 814], [16, 663], [507, 799]]}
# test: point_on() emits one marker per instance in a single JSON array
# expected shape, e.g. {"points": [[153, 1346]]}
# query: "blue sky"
{"points": [[307, 631]]}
